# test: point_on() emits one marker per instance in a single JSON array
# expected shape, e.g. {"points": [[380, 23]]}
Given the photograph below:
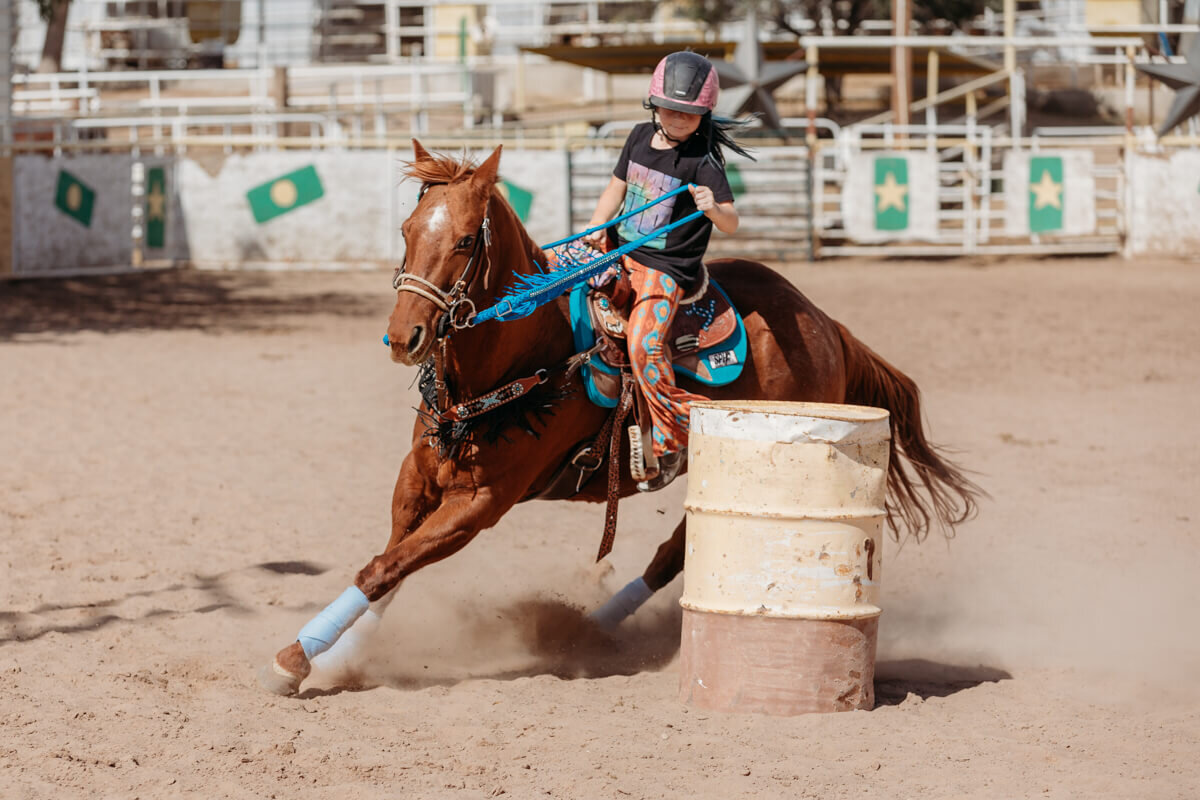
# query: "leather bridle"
{"points": [[458, 309]]}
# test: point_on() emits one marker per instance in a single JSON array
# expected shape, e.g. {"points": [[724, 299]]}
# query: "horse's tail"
{"points": [[929, 488]]}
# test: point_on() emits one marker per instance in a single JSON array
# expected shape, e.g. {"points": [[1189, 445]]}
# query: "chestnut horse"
{"points": [[464, 244]]}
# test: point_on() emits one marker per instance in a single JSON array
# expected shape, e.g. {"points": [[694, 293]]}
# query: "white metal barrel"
{"points": [[785, 512]]}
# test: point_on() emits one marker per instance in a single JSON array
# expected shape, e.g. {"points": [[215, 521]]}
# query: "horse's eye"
{"points": [[465, 242]]}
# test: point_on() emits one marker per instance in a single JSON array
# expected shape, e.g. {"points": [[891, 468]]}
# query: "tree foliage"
{"points": [[46, 8], [957, 13]]}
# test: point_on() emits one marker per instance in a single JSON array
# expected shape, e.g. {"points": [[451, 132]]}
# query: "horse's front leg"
{"points": [[415, 496], [460, 516]]}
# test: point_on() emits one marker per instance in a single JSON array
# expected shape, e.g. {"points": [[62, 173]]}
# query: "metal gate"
{"points": [[773, 196], [971, 202]]}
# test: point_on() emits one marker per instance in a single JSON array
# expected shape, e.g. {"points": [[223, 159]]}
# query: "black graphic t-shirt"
{"points": [[648, 175]]}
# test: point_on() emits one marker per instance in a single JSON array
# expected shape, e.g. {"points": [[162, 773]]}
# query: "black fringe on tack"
{"points": [[448, 437]]}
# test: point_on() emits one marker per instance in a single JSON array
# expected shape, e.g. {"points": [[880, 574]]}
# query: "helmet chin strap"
{"points": [[663, 131]]}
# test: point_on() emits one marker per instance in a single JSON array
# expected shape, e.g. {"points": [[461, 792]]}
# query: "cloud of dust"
{"points": [[432, 638], [1128, 618]]}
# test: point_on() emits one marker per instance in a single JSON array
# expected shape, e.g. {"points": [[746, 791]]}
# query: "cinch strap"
{"points": [[324, 629]]}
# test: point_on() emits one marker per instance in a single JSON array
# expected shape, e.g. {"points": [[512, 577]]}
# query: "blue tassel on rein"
{"points": [[538, 289]]}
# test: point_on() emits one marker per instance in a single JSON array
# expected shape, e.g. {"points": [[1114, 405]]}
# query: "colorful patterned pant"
{"points": [[657, 301]]}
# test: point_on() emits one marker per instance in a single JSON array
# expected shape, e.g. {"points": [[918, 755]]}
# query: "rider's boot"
{"points": [[668, 468]]}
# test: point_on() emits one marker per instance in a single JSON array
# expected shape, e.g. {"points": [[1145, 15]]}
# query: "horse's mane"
{"points": [[440, 169]]}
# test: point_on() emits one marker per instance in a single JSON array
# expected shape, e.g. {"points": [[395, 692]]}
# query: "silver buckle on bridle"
{"points": [[458, 320]]}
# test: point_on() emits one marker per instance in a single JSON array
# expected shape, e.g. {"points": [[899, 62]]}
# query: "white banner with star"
{"points": [[1049, 193], [891, 196]]}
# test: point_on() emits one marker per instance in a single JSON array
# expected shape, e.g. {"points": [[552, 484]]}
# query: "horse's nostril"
{"points": [[418, 336]]}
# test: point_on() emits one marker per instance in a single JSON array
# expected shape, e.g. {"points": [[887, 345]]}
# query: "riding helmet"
{"points": [[684, 81]]}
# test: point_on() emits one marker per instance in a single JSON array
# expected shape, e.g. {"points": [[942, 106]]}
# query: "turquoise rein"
{"points": [[538, 289], [533, 291]]}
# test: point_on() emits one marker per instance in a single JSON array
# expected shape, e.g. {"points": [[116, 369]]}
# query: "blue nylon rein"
{"points": [[538, 289]]}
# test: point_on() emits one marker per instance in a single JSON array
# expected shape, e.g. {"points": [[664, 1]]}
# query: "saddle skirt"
{"points": [[707, 340]]}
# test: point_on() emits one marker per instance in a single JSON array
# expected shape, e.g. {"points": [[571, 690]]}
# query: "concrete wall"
{"points": [[7, 17], [356, 222], [210, 222], [350, 224], [544, 174], [1164, 216], [357, 219]]}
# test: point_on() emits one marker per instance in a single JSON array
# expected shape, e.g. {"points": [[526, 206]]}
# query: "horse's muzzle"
{"points": [[413, 350]]}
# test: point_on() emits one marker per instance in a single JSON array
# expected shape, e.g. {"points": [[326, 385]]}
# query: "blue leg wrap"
{"points": [[622, 604], [323, 630]]}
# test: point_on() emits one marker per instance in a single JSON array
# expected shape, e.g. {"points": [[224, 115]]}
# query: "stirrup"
{"points": [[668, 469]]}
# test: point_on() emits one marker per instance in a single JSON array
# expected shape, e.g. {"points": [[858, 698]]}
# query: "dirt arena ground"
{"points": [[195, 463]]}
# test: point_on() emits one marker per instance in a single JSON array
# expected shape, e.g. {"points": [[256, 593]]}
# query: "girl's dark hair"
{"points": [[718, 133]]}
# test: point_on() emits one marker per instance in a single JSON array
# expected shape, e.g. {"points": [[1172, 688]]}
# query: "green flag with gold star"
{"points": [[285, 193], [1046, 195], [156, 207], [891, 194], [74, 198]]}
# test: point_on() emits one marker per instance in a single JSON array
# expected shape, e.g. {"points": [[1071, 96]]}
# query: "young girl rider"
{"points": [[680, 145]]}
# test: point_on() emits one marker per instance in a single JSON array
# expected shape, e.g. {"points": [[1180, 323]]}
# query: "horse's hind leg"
{"points": [[668, 559], [666, 564]]}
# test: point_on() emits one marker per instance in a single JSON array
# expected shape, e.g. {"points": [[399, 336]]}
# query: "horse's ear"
{"points": [[420, 153], [486, 173]]}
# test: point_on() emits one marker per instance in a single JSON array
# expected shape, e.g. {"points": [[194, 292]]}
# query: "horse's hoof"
{"points": [[276, 683], [285, 680]]}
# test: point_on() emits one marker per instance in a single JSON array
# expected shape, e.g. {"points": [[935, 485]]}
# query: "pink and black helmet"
{"points": [[684, 81]]}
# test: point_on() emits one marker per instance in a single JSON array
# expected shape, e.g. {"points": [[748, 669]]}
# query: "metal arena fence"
{"points": [[324, 103], [973, 201], [189, 198]]}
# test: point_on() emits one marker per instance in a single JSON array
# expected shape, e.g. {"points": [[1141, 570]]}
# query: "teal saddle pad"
{"points": [[723, 361]]}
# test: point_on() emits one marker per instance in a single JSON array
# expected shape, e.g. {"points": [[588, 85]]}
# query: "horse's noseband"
{"points": [[458, 309]]}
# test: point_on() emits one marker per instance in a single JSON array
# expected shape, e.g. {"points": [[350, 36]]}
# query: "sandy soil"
{"points": [[194, 464]]}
